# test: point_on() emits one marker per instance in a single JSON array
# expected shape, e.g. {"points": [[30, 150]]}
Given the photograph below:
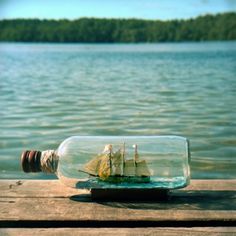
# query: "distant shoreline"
{"points": [[219, 27], [117, 43]]}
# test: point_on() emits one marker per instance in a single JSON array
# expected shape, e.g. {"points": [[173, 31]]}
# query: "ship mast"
{"points": [[135, 146], [123, 158], [110, 153], [108, 149]]}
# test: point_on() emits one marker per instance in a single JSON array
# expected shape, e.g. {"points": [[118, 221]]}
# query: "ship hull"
{"points": [[127, 179]]}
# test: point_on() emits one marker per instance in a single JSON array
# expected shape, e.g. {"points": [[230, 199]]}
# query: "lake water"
{"points": [[49, 92]]}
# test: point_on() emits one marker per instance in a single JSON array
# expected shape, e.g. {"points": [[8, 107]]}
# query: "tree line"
{"points": [[203, 28]]}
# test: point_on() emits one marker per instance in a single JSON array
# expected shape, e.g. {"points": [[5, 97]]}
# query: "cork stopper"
{"points": [[37, 161], [31, 161]]}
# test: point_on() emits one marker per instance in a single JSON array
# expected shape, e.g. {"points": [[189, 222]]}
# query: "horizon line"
{"points": [[118, 18]]}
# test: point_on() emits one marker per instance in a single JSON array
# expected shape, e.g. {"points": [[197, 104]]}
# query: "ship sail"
{"points": [[129, 168], [92, 167], [113, 164], [117, 164], [142, 168]]}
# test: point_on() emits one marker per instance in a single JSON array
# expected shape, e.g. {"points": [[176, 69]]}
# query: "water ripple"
{"points": [[51, 91]]}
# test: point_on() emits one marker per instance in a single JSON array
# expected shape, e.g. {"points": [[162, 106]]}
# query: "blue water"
{"points": [[49, 92]]}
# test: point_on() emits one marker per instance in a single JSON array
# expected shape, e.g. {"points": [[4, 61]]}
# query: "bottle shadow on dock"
{"points": [[162, 200]]}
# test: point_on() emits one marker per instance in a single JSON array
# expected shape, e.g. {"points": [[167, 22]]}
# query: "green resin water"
{"points": [[154, 183]]}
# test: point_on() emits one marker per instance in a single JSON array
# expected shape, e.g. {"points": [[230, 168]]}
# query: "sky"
{"points": [[144, 9]]}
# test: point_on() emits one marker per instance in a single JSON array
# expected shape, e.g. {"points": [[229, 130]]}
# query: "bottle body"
{"points": [[108, 162]]}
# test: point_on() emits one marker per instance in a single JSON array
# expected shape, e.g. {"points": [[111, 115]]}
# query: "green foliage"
{"points": [[208, 27]]}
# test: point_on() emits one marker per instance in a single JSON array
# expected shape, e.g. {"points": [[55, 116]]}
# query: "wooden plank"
{"points": [[59, 209], [53, 188], [196, 231], [42, 201], [36, 188]]}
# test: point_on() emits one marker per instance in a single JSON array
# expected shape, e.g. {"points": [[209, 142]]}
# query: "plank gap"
{"points": [[113, 224]]}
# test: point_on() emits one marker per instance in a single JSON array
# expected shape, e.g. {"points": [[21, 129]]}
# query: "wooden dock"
{"points": [[46, 207]]}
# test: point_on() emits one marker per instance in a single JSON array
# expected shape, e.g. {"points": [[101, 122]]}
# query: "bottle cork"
{"points": [[30, 161]]}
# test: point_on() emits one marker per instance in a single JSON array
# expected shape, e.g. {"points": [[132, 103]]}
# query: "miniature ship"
{"points": [[112, 167]]}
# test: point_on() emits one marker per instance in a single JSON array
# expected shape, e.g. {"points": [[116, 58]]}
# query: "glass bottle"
{"points": [[113, 162]]}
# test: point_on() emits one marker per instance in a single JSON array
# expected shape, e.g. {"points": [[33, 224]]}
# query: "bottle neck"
{"points": [[37, 161], [49, 161]]}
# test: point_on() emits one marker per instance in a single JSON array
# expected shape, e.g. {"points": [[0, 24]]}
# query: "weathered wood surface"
{"points": [[47, 203], [192, 231]]}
